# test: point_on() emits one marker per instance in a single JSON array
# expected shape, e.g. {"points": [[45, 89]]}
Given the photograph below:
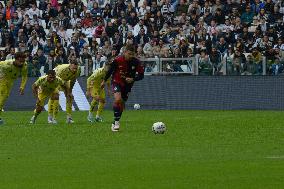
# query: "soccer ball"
{"points": [[136, 106], [159, 128]]}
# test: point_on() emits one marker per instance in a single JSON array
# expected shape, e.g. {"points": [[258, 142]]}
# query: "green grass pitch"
{"points": [[200, 150]]}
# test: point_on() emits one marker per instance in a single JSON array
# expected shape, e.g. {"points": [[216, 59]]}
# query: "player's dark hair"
{"points": [[129, 47], [107, 65], [73, 62], [51, 72], [20, 55]]}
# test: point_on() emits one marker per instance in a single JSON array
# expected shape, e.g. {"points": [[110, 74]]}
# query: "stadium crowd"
{"points": [[230, 35]]}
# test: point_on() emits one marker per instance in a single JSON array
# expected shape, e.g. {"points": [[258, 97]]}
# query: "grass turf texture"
{"points": [[201, 149]]}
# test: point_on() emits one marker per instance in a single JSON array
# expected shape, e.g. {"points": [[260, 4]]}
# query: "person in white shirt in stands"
{"points": [[141, 11], [33, 11], [62, 33], [74, 20], [138, 26], [98, 61]]}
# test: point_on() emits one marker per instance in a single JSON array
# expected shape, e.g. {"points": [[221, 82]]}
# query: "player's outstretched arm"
{"points": [[35, 91], [24, 74]]}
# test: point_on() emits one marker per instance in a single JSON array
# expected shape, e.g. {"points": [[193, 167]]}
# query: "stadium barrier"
{"points": [[197, 65], [179, 92]]}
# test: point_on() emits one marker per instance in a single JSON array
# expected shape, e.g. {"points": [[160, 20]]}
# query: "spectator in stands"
{"points": [[99, 61], [72, 10], [104, 38], [33, 11], [142, 38], [11, 54], [9, 11], [1, 8], [107, 12], [2, 54], [110, 29], [215, 58], [138, 26], [60, 57], [106, 49], [7, 39], [54, 4], [176, 64], [40, 58], [141, 11], [249, 68], [50, 62], [181, 8], [140, 53], [117, 40], [3, 22], [16, 20], [222, 45], [132, 20], [279, 44], [238, 24], [34, 46], [74, 20], [277, 67], [148, 48], [204, 65], [99, 30], [247, 16], [74, 45]]}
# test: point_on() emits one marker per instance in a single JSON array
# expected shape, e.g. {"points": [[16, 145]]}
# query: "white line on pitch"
{"points": [[274, 157]]}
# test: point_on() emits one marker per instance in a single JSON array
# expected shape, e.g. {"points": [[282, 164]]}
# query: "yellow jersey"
{"points": [[96, 78], [9, 72], [49, 87]]}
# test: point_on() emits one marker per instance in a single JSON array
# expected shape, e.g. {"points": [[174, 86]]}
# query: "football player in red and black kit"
{"points": [[125, 70]]}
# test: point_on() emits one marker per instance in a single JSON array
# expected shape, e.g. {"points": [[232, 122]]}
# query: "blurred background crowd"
{"points": [[212, 37]]}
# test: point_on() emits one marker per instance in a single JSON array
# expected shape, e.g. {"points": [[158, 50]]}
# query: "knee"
{"points": [[96, 98], [39, 108], [118, 101], [102, 100], [55, 97], [69, 98]]}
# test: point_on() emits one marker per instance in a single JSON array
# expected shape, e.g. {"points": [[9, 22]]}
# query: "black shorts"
{"points": [[124, 90]]}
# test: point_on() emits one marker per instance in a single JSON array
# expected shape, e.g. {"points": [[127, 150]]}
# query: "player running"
{"points": [[10, 70], [68, 73], [97, 93], [125, 70], [47, 87]]}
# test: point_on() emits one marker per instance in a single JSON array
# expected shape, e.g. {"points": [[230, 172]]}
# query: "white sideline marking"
{"points": [[275, 157]]}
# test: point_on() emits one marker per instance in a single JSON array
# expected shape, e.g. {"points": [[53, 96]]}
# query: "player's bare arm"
{"points": [[35, 90]]}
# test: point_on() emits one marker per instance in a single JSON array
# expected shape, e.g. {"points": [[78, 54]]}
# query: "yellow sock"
{"points": [[68, 108], [55, 108], [93, 105], [100, 108], [50, 107]]}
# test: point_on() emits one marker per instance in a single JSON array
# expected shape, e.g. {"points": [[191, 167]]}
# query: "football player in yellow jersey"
{"points": [[97, 93], [45, 87], [10, 70], [69, 74]]}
